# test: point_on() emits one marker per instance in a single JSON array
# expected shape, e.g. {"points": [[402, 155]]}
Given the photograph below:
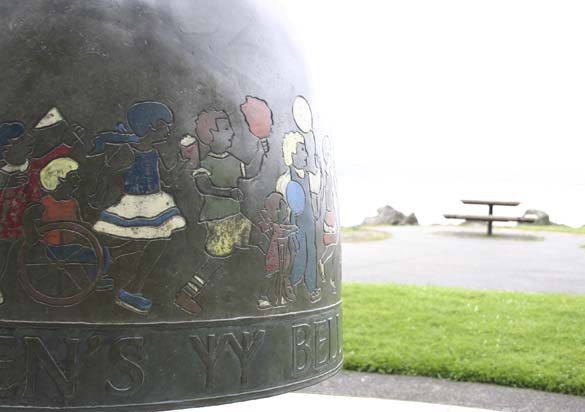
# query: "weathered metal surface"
{"points": [[168, 217]]}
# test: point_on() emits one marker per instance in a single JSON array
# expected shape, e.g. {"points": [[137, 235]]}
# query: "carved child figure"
{"points": [[22, 156], [217, 179], [144, 216], [281, 251], [301, 188], [60, 180]]}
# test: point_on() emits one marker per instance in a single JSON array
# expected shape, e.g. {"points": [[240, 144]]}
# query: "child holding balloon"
{"points": [[217, 179], [301, 189]]}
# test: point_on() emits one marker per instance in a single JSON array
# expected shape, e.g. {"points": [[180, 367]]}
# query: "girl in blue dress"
{"points": [[145, 214]]}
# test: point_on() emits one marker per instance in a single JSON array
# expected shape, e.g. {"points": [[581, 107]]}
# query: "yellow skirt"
{"points": [[225, 234]]}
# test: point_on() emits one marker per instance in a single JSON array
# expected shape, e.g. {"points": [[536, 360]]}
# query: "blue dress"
{"points": [[143, 178], [145, 211]]}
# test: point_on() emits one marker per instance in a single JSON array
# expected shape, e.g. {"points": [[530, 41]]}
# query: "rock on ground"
{"points": [[387, 215], [542, 218]]}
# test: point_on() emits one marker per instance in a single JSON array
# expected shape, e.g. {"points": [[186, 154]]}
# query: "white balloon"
{"points": [[302, 114]]}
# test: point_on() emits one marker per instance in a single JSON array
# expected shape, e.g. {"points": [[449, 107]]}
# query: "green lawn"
{"points": [[362, 234], [551, 228], [516, 339]]}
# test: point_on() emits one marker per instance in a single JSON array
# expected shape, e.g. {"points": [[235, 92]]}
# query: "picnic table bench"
{"points": [[490, 218]]}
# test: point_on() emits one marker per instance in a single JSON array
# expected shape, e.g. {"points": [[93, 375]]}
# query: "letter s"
{"points": [[133, 374]]}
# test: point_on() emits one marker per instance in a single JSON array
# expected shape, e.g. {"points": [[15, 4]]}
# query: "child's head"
{"points": [[14, 147], [275, 208], [294, 150], [60, 175], [151, 121], [214, 129]]}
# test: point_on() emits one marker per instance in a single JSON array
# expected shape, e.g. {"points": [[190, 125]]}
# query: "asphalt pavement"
{"points": [[462, 257]]}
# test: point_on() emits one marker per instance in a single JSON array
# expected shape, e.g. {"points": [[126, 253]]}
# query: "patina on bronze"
{"points": [[169, 233]]}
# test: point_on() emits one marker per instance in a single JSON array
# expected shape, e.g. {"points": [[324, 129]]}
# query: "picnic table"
{"points": [[490, 218]]}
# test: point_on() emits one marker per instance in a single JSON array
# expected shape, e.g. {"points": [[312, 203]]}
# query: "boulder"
{"points": [[542, 218], [387, 215], [410, 220]]}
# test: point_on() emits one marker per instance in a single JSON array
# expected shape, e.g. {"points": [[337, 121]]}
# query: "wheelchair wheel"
{"points": [[62, 269]]}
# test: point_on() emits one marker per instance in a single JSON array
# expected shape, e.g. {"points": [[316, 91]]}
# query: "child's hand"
{"points": [[17, 179], [237, 194], [263, 147], [74, 134]]}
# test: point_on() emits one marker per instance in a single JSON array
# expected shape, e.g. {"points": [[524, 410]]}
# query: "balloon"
{"points": [[258, 116], [295, 196], [302, 114]]}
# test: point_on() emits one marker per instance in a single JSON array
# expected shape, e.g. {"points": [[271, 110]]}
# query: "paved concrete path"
{"points": [[295, 402], [456, 256], [437, 391]]}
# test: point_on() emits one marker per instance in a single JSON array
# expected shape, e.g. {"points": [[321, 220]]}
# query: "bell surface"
{"points": [[169, 232]]}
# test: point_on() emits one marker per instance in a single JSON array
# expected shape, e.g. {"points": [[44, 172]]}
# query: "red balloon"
{"points": [[258, 116]]}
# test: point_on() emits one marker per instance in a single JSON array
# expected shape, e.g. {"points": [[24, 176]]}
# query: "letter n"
{"points": [[38, 356]]}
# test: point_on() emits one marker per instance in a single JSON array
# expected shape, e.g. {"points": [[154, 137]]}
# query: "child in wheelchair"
{"points": [[59, 181]]}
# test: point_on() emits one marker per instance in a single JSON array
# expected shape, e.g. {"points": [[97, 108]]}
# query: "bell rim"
{"points": [[215, 400]]}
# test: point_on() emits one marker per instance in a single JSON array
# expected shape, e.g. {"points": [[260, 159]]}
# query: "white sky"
{"points": [[432, 101]]}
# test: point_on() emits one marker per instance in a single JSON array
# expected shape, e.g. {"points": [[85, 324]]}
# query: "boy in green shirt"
{"points": [[217, 179]]}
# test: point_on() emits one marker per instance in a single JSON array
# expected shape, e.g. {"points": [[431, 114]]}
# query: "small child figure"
{"points": [[15, 151], [22, 156], [218, 179], [59, 181], [281, 250], [331, 235], [145, 215]]}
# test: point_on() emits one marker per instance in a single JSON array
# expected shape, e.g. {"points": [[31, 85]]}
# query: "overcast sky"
{"points": [[432, 101]]}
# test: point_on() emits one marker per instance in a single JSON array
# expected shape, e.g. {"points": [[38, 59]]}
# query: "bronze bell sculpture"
{"points": [[169, 231]]}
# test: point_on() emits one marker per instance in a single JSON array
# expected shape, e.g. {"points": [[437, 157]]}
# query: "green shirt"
{"points": [[224, 170]]}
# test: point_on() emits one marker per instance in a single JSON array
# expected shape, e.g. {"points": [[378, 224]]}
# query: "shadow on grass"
{"points": [[495, 236]]}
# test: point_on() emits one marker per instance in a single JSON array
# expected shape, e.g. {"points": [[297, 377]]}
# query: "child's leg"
{"points": [[311, 271], [300, 261], [327, 254], [5, 249], [186, 298], [257, 238], [147, 265], [130, 297]]}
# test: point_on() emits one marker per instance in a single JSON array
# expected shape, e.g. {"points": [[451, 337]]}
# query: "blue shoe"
{"points": [[134, 302]]}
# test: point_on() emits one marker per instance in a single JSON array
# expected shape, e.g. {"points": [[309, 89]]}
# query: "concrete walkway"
{"points": [[437, 391], [458, 257], [295, 402]]}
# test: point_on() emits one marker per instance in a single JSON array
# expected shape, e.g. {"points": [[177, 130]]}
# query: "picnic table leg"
{"points": [[490, 223]]}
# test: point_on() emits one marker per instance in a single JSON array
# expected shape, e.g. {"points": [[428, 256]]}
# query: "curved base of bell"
{"points": [[223, 399], [161, 366]]}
